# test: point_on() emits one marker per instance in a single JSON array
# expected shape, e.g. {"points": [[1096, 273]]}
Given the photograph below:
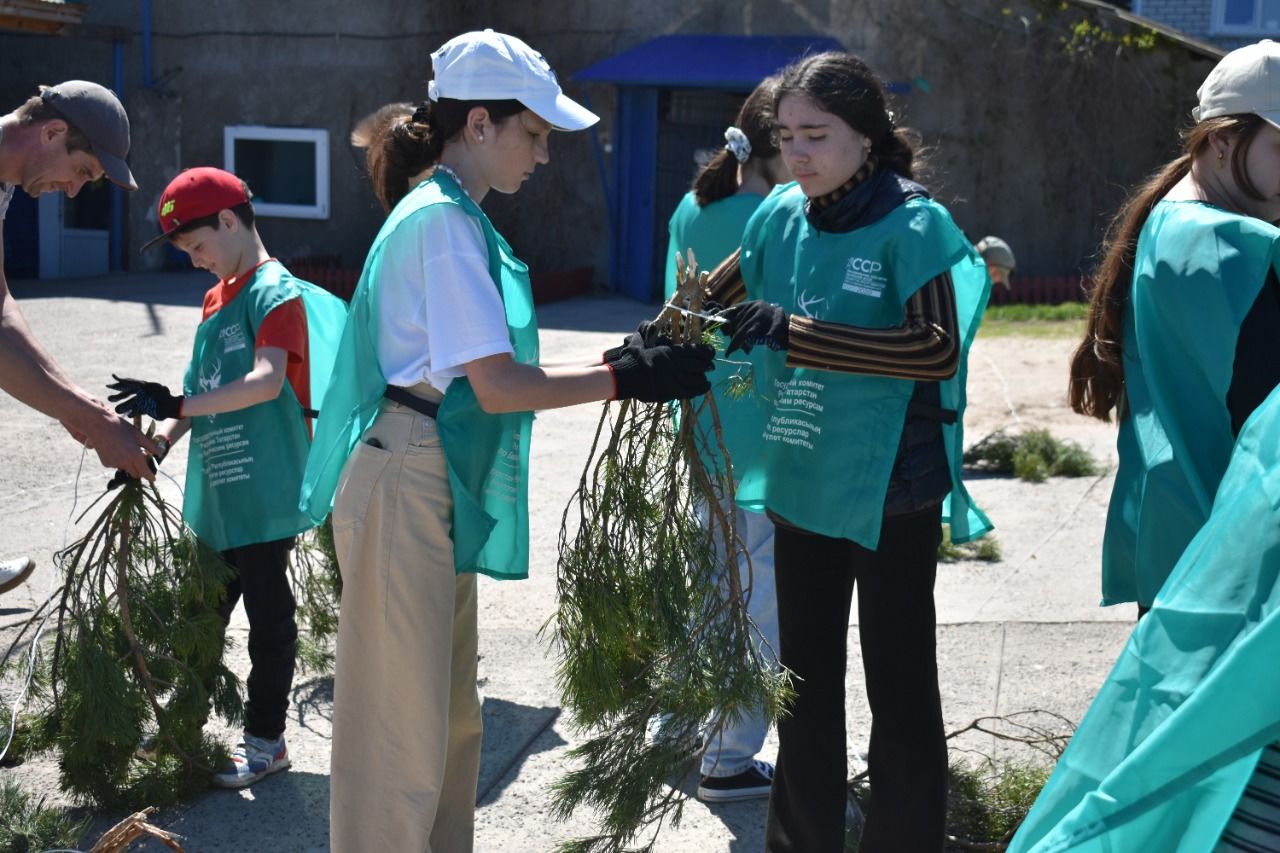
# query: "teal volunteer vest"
{"points": [[244, 467], [714, 232], [1165, 750], [826, 452], [1197, 273], [487, 455]]}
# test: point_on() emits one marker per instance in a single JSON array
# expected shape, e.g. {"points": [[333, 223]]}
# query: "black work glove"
{"points": [[755, 322], [645, 335], [122, 476], [144, 398], [662, 373]]}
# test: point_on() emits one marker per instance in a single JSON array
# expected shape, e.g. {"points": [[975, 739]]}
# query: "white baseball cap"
{"points": [[489, 66], [1247, 80]]}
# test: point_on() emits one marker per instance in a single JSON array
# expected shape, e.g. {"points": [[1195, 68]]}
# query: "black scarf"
{"points": [[864, 200]]}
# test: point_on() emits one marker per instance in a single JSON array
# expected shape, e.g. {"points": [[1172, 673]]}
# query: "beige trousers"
{"points": [[406, 717]]}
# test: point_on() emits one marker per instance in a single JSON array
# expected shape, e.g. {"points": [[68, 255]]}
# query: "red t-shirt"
{"points": [[285, 327]]}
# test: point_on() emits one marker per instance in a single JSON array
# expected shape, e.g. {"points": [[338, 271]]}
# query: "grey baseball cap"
{"points": [[100, 116]]}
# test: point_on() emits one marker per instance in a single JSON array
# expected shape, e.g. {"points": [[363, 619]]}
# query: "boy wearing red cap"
{"points": [[262, 353]]}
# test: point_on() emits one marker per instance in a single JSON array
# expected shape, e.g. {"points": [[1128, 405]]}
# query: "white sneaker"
{"points": [[253, 758], [14, 572]]}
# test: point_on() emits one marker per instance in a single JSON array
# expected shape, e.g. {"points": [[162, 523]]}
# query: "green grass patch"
{"points": [[986, 802], [30, 825], [987, 549], [1034, 455], [1037, 321]]}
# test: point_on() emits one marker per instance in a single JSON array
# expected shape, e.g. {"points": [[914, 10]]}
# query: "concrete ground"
{"points": [[1025, 633]]}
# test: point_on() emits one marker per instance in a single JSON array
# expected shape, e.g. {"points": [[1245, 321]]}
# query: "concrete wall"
{"points": [[1028, 139], [1025, 139]]}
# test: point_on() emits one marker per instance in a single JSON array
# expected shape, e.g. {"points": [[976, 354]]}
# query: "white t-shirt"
{"points": [[6, 190], [438, 306]]}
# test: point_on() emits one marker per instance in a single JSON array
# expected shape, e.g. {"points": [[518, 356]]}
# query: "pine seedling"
{"points": [[652, 617], [317, 588], [125, 659]]}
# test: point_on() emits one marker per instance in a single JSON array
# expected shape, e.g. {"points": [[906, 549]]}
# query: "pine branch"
{"points": [[652, 619]]}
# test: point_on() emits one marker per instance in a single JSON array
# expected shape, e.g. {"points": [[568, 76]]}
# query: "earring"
{"points": [[480, 137], [1220, 155]]}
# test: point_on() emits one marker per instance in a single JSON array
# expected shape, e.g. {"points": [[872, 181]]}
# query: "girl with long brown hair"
{"points": [[1183, 336]]}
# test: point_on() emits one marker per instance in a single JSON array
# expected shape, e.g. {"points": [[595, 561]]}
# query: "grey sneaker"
{"points": [[253, 758], [14, 572], [755, 781]]}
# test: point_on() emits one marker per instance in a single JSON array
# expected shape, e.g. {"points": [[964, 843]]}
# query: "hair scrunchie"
{"points": [[422, 115], [737, 143]]}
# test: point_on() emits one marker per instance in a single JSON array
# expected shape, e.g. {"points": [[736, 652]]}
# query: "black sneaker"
{"points": [[755, 781]]}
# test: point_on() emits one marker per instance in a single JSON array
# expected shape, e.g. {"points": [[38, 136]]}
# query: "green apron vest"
{"points": [[245, 467], [1197, 273], [487, 455], [714, 232], [826, 452], [1163, 754]]}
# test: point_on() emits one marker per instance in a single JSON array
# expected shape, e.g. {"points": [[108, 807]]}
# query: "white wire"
{"points": [[31, 676], [34, 648], [1004, 388]]}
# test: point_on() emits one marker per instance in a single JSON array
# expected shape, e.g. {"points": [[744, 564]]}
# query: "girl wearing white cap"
{"points": [[1179, 750], [422, 446], [1183, 338]]}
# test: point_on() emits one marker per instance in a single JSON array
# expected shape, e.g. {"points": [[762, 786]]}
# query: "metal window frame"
{"points": [[257, 132], [1218, 28]]}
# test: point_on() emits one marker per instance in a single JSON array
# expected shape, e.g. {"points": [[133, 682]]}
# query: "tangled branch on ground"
{"points": [[989, 794]]}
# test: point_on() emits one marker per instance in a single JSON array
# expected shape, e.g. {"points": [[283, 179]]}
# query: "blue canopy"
{"points": [[733, 63]]}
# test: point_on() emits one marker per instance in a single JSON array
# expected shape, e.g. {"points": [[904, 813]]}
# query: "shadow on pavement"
{"points": [[160, 288], [512, 733], [313, 701], [286, 811]]}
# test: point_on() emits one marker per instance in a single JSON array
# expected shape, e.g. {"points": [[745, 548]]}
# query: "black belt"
{"points": [[919, 409], [396, 394]]}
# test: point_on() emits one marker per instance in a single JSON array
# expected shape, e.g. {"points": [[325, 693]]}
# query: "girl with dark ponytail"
{"points": [[421, 450], [1184, 323], [708, 225], [865, 296], [710, 218]]}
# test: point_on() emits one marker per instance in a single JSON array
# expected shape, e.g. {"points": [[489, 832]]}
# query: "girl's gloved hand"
{"points": [[662, 373], [755, 322]]}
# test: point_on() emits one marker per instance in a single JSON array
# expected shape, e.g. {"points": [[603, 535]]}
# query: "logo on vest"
{"points": [[213, 379], [232, 338], [862, 276], [805, 301]]}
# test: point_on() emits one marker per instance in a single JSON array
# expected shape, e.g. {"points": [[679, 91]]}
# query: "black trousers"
{"points": [[262, 579], [816, 577]]}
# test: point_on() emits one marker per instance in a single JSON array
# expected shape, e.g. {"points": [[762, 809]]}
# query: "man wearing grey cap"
{"points": [[61, 139]]}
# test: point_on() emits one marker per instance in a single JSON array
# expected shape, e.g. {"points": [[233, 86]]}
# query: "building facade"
{"points": [[1037, 117]]}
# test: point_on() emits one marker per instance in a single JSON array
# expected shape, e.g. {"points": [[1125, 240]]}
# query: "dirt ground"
{"points": [[1022, 633]]}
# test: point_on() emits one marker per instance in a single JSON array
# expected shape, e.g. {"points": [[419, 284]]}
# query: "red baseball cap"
{"points": [[195, 193]]}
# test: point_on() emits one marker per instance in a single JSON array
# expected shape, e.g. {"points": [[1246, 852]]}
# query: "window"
{"points": [[287, 168], [1246, 17]]}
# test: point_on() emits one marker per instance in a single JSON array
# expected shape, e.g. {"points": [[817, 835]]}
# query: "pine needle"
{"points": [[652, 619]]}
